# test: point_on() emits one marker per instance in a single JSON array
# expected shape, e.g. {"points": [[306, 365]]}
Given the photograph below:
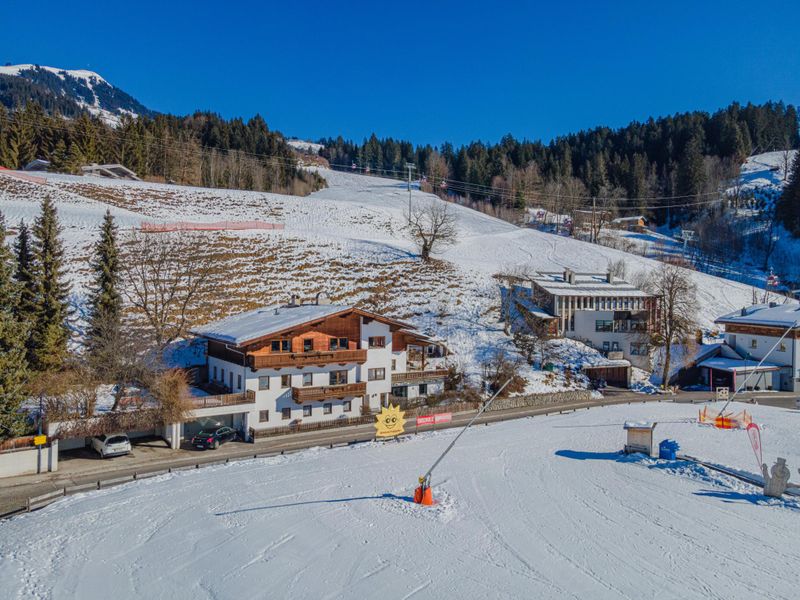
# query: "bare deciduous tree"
{"points": [[163, 279], [432, 225], [677, 310]]}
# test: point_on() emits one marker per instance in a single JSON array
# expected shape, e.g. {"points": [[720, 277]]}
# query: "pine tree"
{"points": [[787, 209], [26, 305], [13, 366], [105, 303], [49, 335], [691, 169]]}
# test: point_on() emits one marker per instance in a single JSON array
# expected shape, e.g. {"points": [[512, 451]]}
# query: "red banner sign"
{"points": [[754, 433], [434, 419]]}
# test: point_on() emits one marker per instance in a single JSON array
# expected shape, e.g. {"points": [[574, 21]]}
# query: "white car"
{"points": [[113, 444]]}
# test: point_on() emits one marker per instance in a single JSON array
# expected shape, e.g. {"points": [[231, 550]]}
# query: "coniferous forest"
{"points": [[634, 167], [201, 149]]}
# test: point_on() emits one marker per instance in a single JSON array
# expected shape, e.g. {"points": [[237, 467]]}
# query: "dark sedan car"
{"points": [[213, 438]]}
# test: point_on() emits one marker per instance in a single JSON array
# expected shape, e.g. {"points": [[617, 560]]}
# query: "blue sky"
{"points": [[426, 71]]}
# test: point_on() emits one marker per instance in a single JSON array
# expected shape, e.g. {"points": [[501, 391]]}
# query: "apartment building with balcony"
{"points": [[599, 309], [312, 363]]}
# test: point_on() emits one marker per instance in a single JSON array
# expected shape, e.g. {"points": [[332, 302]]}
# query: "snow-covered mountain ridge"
{"points": [[85, 89]]}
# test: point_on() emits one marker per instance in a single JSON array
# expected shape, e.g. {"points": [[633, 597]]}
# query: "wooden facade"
{"points": [[764, 330]]}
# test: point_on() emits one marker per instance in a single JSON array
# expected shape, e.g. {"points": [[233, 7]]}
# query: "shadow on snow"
{"points": [[307, 502]]}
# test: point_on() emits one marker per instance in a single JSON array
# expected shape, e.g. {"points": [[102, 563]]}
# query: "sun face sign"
{"points": [[390, 422]]}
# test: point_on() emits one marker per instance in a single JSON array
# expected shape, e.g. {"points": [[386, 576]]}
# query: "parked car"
{"points": [[213, 438], [113, 444]]}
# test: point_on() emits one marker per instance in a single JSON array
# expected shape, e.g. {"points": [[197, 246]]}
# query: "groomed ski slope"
{"points": [[534, 508]]}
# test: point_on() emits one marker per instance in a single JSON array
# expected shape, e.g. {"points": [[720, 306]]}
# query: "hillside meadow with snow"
{"points": [[347, 240], [543, 507]]}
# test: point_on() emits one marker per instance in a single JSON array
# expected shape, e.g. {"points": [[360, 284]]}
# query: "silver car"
{"points": [[113, 444]]}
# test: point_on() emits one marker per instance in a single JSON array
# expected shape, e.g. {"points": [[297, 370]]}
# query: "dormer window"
{"points": [[308, 345], [338, 344], [281, 345]]}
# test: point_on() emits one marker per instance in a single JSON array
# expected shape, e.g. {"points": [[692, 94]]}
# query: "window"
{"points": [[281, 345], [399, 392], [222, 377], [338, 377], [286, 414], [347, 406], [307, 410], [308, 379], [385, 398], [377, 342], [638, 325], [638, 349], [263, 416], [215, 371], [620, 326], [423, 389], [327, 408], [376, 374], [606, 346], [263, 383], [754, 343], [239, 382], [230, 380], [308, 345], [286, 381], [338, 344], [602, 325], [615, 346], [394, 365]]}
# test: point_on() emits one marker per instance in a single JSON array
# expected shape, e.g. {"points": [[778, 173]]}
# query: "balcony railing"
{"points": [[314, 394], [246, 397], [305, 359], [416, 376]]}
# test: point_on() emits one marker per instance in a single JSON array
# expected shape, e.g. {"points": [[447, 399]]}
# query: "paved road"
{"points": [[150, 456]]}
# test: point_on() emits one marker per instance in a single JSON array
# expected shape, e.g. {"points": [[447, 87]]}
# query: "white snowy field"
{"points": [[534, 508], [346, 240]]}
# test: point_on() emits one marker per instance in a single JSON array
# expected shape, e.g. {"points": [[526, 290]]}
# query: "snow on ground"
{"points": [[346, 240], [533, 508]]}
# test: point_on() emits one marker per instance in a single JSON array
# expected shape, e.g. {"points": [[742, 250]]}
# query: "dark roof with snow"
{"points": [[766, 315], [270, 320]]}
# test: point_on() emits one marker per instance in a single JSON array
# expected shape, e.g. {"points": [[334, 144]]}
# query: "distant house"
{"points": [[768, 332], [114, 171], [38, 164], [605, 312], [638, 223]]}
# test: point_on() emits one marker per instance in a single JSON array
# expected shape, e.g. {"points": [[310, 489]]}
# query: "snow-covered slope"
{"points": [[347, 240], [86, 88], [535, 508]]}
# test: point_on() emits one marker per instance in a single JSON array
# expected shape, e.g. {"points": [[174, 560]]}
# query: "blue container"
{"points": [[667, 449]]}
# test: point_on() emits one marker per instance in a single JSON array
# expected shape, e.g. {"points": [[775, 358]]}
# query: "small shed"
{"points": [[640, 437]]}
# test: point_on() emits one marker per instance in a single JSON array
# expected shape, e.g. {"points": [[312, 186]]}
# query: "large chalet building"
{"points": [[310, 363]]}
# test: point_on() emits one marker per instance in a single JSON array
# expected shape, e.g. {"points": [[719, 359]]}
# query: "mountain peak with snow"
{"points": [[69, 91]]}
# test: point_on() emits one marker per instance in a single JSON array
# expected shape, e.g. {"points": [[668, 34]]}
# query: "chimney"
{"points": [[773, 304], [566, 275], [571, 278], [293, 301], [744, 311], [609, 277]]}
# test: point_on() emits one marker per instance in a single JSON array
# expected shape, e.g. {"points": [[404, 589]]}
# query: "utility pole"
{"points": [[410, 167]]}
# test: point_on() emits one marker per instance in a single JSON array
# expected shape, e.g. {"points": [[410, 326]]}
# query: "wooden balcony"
{"points": [[418, 376], [306, 359], [315, 394], [246, 397]]}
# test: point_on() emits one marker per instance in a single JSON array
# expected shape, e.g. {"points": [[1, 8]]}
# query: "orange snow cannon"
{"points": [[423, 494]]}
